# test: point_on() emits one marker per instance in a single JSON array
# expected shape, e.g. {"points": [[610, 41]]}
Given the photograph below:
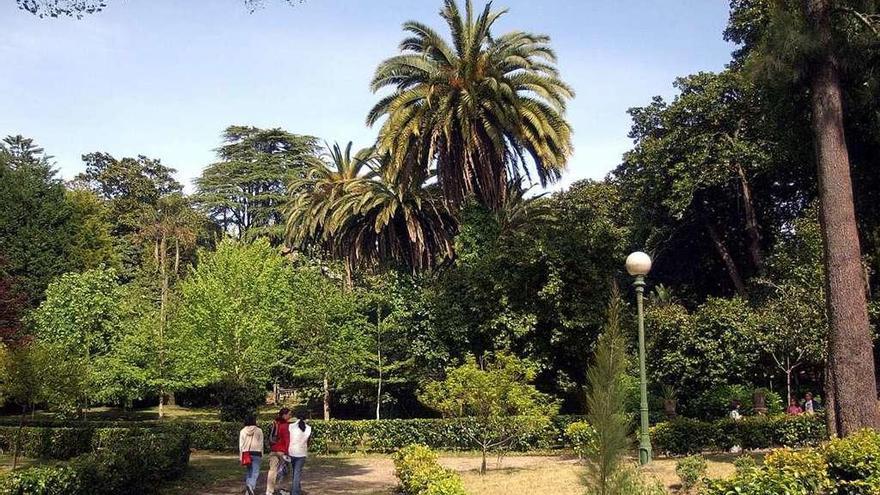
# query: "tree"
{"points": [[82, 317], [37, 231], [492, 391], [131, 187], [606, 411], [827, 31], [93, 244], [245, 190], [234, 316], [479, 109], [376, 219], [331, 346], [168, 229], [711, 161], [22, 372], [80, 8]]}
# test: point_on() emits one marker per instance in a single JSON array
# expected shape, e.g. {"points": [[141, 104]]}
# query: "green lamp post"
{"points": [[638, 264]]}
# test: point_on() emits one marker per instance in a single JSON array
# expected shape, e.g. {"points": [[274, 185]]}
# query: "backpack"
{"points": [[273, 433]]}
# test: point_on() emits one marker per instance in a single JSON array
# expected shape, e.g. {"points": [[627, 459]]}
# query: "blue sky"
{"points": [[163, 78]]}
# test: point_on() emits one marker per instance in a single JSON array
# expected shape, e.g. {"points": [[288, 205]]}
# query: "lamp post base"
{"points": [[645, 454]]}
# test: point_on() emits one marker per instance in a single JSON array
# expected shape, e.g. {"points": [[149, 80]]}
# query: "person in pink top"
{"points": [[793, 408]]}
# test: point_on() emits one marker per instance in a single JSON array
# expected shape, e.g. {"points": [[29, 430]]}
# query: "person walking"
{"points": [[300, 436], [250, 452], [279, 443]]}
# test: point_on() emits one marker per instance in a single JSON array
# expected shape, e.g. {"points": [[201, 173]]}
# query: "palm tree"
{"points": [[476, 109], [359, 210]]}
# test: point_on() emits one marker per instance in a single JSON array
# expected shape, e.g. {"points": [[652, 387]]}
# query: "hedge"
{"points": [[689, 436], [133, 463], [844, 466], [388, 435], [420, 473]]}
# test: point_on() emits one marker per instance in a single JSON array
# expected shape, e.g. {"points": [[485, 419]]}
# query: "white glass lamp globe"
{"points": [[638, 263]]}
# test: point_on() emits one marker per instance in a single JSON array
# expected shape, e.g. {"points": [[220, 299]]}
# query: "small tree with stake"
{"points": [[492, 391]]}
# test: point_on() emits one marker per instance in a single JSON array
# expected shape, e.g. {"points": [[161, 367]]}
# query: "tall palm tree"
{"points": [[359, 210], [314, 195], [477, 109]]}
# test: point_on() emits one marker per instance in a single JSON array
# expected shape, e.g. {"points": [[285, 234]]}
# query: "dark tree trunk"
{"points": [[754, 234], [326, 397], [850, 345], [732, 270]]}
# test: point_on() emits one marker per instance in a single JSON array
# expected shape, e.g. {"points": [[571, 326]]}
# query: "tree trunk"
{"points": [[850, 344], [755, 253], [483, 464], [163, 315], [379, 359], [18, 438], [326, 397], [732, 270], [830, 402]]}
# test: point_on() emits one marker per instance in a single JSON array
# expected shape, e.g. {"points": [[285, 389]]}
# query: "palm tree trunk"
{"points": [[163, 308], [732, 270], [850, 344]]}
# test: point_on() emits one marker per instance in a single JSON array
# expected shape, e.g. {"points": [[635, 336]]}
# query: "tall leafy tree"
{"points": [[330, 344], [131, 187], [234, 316], [479, 107], [829, 33], [37, 229], [245, 190]]}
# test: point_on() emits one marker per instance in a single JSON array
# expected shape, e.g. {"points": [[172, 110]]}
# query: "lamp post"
{"points": [[638, 264]]}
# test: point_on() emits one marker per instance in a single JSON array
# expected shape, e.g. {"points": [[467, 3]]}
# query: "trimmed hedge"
{"points": [[53, 441], [133, 464], [846, 466], [689, 436], [420, 473]]}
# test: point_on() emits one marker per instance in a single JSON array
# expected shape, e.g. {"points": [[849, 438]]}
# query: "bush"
{"points": [[848, 466], [582, 438], [691, 470], [744, 463], [238, 400], [131, 464], [854, 463], [420, 473], [689, 436]]}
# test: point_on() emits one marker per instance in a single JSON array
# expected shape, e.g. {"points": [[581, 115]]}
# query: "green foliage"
{"points": [[492, 391], [234, 315], [37, 230], [477, 126], [691, 470], [606, 406], [239, 400], [854, 463], [582, 437], [744, 464], [245, 190], [92, 245], [133, 464], [420, 473], [687, 436]]}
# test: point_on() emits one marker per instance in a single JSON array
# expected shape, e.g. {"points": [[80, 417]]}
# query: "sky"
{"points": [[163, 78]]}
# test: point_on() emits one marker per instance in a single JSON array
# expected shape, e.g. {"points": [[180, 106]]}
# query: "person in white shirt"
{"points": [[300, 435], [250, 452]]}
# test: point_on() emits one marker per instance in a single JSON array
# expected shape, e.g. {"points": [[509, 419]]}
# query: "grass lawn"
{"points": [[219, 474]]}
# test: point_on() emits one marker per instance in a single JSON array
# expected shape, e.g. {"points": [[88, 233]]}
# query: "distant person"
{"points": [[250, 452], [734, 411], [300, 436], [279, 442], [810, 405], [793, 408]]}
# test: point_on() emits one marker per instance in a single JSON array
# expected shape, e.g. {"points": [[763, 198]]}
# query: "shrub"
{"points": [[744, 463], [689, 436], [238, 400], [420, 473], [131, 464], [691, 470], [581, 437], [854, 463]]}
